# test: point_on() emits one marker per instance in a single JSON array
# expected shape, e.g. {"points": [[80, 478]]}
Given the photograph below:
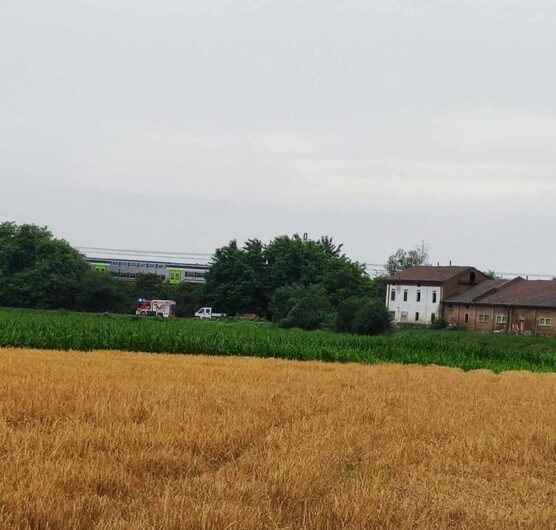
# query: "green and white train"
{"points": [[171, 272]]}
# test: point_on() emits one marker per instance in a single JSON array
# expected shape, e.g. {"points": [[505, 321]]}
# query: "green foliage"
{"points": [[343, 279], [296, 260], [236, 279], [469, 351], [300, 306], [100, 292], [405, 259], [296, 281], [439, 323], [492, 275], [37, 270], [363, 316], [189, 297], [148, 285]]}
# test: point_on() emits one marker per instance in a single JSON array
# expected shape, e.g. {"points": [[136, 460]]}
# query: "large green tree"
{"points": [[235, 282], [278, 279], [37, 270]]}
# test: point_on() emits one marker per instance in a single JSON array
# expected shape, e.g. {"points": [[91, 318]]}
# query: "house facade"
{"points": [[415, 295], [519, 306]]}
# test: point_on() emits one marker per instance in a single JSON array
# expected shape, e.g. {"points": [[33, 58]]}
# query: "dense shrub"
{"points": [[439, 323], [99, 292], [305, 307], [363, 316]]}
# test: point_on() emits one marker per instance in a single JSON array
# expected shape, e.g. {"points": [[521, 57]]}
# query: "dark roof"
{"points": [[528, 293], [427, 273], [476, 292]]}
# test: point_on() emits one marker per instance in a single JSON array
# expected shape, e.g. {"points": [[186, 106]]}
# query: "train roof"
{"points": [[200, 266]]}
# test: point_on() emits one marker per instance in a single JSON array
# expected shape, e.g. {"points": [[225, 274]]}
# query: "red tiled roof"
{"points": [[477, 292], [427, 273], [528, 293]]}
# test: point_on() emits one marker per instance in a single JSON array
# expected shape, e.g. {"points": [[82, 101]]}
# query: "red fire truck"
{"points": [[156, 308]]}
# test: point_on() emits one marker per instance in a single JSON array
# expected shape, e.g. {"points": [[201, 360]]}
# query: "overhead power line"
{"points": [[205, 256], [145, 253]]}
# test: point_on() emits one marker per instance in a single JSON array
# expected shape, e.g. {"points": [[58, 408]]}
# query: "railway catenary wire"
{"points": [[373, 269]]}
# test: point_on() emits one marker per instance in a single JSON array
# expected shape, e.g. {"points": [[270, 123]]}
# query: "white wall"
{"points": [[426, 307]]}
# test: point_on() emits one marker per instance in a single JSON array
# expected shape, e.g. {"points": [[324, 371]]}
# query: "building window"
{"points": [[392, 315], [417, 316], [404, 316], [466, 318], [405, 295], [418, 296], [433, 318], [434, 297], [545, 322], [393, 296], [501, 319], [483, 319]]}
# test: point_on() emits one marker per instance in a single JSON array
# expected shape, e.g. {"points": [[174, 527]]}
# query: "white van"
{"points": [[206, 312]]}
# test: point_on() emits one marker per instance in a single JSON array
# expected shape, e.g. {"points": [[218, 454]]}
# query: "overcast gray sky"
{"points": [[181, 124]]}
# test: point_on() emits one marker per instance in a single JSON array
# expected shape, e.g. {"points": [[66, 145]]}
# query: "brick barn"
{"points": [[520, 306]]}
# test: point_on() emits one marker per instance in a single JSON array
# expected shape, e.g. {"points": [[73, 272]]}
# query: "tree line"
{"points": [[40, 271], [293, 281]]}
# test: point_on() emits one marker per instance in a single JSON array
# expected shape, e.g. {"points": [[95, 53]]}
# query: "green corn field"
{"points": [[78, 331]]}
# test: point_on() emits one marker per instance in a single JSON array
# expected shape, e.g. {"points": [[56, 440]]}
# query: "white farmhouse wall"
{"points": [[403, 312]]}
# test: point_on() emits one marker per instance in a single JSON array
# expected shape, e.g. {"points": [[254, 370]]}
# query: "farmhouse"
{"points": [[518, 306], [414, 296]]}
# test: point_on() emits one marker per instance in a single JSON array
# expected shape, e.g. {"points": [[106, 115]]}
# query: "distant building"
{"points": [[526, 307], [414, 296]]}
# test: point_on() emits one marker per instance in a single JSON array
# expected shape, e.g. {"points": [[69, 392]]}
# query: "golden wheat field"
{"points": [[117, 440]]}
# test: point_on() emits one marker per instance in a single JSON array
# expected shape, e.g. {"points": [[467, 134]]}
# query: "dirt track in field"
{"points": [[119, 440]]}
